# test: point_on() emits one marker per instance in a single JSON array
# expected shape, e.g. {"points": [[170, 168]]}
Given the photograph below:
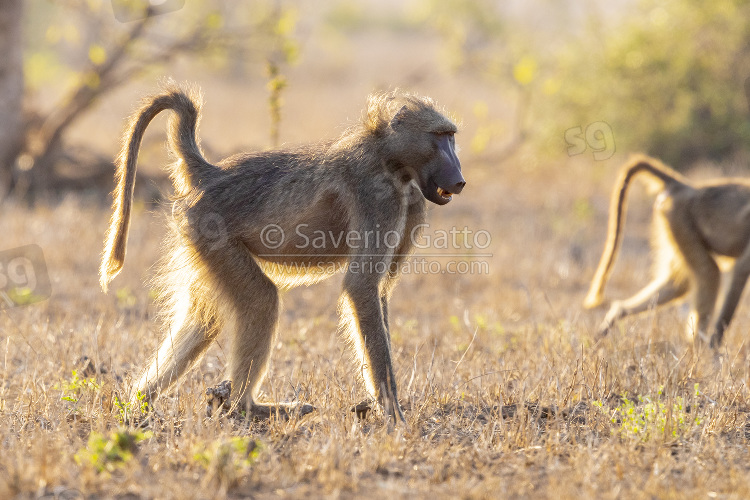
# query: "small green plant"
{"points": [[649, 418], [227, 461], [72, 388], [108, 453], [125, 408]]}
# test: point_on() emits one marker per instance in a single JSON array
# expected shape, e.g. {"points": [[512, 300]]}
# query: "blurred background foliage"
{"points": [[76, 52], [668, 77]]}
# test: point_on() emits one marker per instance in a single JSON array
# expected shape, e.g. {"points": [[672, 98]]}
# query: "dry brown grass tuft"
{"points": [[505, 395]]}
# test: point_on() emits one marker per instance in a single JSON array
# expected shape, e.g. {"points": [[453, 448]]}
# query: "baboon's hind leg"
{"points": [[253, 303], [186, 340], [661, 290]]}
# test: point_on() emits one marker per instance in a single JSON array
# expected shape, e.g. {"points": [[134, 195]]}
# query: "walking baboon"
{"points": [[693, 224], [245, 227]]}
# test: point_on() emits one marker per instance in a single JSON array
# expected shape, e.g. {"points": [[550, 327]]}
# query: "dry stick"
{"points": [[573, 383], [20, 332], [471, 379], [5, 361], [532, 313], [464, 355], [428, 376], [414, 368], [97, 357]]}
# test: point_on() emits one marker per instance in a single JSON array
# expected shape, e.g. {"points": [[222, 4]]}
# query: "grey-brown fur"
{"points": [[220, 274], [693, 223]]}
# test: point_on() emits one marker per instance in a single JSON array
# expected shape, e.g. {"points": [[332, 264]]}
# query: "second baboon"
{"points": [[693, 223], [257, 222]]}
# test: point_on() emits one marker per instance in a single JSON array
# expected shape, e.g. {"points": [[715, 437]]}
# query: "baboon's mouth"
{"points": [[436, 194], [446, 195]]}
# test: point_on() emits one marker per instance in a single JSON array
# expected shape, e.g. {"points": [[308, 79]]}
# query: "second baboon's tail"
{"points": [[185, 174], [665, 177]]}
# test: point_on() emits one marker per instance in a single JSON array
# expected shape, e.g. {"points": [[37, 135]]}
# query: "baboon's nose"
{"points": [[458, 187]]}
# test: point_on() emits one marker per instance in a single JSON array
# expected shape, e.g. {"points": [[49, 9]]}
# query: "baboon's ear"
{"points": [[398, 118]]}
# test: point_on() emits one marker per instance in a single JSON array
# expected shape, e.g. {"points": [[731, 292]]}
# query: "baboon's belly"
{"points": [[303, 272], [305, 247]]}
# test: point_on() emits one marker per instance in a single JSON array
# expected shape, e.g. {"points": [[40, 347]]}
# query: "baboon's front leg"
{"points": [[384, 309], [364, 322]]}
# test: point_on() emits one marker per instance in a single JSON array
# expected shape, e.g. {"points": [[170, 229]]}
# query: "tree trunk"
{"points": [[11, 90]]}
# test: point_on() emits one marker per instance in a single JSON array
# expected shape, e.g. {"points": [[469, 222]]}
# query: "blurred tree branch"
{"points": [[44, 134], [31, 166]]}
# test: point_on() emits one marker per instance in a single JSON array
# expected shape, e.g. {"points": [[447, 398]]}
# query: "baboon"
{"points": [[693, 225], [252, 223]]}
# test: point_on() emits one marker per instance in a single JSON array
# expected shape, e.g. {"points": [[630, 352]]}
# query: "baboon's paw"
{"points": [[361, 409], [602, 331], [305, 409], [218, 398]]}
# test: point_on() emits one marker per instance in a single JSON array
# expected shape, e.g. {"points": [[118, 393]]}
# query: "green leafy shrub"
{"points": [[126, 409], [108, 453], [72, 388], [681, 98], [228, 461], [647, 418]]}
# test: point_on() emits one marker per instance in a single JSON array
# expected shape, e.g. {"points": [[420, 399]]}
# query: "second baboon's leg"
{"points": [[186, 340], [705, 272], [740, 274], [658, 292]]}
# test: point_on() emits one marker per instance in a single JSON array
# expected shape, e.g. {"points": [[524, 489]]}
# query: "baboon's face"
{"points": [[424, 143], [440, 178]]}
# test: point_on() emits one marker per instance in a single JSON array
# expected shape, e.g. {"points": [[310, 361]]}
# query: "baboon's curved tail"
{"points": [[665, 177], [185, 173]]}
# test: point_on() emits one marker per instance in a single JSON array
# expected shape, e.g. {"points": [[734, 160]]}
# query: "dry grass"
{"points": [[505, 394]]}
